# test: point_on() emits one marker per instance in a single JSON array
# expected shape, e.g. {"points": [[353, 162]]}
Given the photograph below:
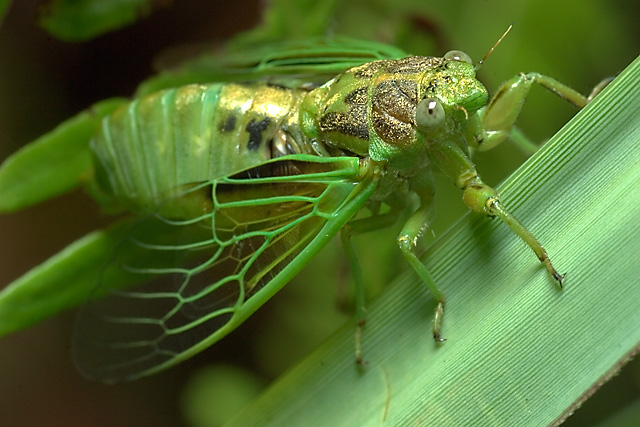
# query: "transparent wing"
{"points": [[289, 63], [191, 272]]}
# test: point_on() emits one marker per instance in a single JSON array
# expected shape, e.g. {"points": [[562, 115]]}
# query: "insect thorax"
{"points": [[370, 109]]}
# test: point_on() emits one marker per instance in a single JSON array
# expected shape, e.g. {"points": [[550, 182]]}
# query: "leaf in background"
{"points": [[519, 352], [77, 20], [63, 281], [292, 20], [55, 163], [4, 6]]}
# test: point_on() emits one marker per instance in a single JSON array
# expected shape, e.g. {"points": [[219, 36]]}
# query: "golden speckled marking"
{"points": [[410, 65], [353, 122], [393, 110], [357, 97]]}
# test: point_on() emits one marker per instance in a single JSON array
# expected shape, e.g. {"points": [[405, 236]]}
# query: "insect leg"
{"points": [[408, 240], [358, 226], [497, 208], [356, 272], [481, 198], [505, 106], [412, 229]]}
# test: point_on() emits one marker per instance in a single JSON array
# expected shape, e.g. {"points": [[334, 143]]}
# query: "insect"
{"points": [[235, 186]]}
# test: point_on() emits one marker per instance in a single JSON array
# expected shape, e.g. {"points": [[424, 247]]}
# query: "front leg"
{"points": [[483, 199], [480, 198], [495, 123]]}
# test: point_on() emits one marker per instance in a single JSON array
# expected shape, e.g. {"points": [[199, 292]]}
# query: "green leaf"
{"points": [[63, 281], [54, 163], [76, 20], [297, 19], [519, 351], [4, 6]]}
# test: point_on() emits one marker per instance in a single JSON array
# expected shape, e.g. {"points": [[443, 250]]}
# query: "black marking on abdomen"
{"points": [[228, 124], [255, 132]]}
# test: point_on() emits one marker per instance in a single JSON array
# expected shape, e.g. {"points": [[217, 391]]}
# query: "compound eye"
{"points": [[458, 55], [429, 114]]}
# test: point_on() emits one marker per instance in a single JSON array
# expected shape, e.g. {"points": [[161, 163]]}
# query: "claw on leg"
{"points": [[437, 323], [358, 343], [496, 208]]}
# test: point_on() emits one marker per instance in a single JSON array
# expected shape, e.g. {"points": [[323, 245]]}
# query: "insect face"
{"points": [[449, 96]]}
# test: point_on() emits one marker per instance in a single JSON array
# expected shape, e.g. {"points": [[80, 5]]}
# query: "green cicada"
{"points": [[236, 185]]}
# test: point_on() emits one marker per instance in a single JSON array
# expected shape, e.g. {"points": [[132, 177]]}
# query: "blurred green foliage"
{"points": [[77, 20]]}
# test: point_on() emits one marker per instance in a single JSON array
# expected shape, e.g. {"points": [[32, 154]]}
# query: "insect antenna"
{"points": [[479, 64]]}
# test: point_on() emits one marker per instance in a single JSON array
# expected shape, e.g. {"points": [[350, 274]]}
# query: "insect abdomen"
{"points": [[154, 145]]}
